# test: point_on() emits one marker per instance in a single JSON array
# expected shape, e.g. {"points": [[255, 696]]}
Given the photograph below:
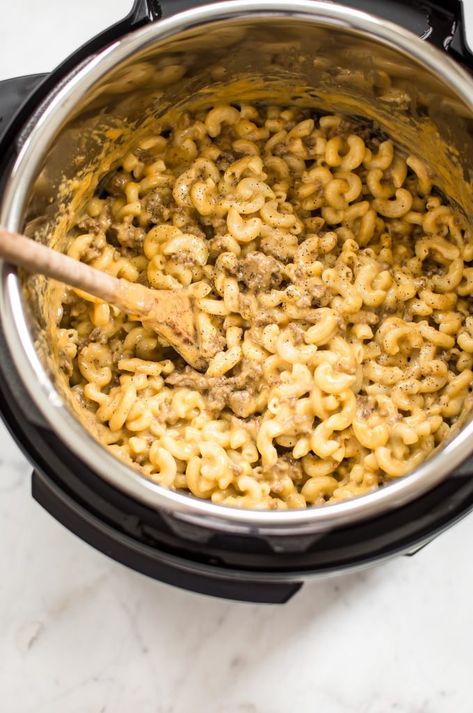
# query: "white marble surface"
{"points": [[82, 634]]}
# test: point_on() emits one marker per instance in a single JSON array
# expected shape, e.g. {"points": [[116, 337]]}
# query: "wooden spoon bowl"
{"points": [[169, 313]]}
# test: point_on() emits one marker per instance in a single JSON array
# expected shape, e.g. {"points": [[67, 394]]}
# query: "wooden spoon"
{"points": [[169, 313]]}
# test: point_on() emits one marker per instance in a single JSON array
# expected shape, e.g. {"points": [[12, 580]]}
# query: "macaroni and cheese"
{"points": [[333, 285]]}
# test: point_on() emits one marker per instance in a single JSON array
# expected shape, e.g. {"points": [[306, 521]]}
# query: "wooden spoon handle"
{"points": [[168, 313], [34, 257]]}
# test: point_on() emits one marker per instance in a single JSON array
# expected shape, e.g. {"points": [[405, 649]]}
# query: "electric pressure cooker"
{"points": [[247, 555]]}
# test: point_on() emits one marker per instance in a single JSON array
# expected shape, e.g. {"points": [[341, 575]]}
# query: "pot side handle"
{"points": [[143, 11]]}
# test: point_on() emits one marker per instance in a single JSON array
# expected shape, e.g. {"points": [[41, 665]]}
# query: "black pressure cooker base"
{"points": [[156, 563], [210, 575], [246, 567]]}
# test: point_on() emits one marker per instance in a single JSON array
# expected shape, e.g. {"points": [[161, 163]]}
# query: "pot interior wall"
{"points": [[275, 60]]}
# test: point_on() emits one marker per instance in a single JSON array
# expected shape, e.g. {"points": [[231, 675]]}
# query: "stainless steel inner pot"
{"points": [[313, 54]]}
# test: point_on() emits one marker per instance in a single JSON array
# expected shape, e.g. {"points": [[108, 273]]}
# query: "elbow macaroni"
{"points": [[333, 287]]}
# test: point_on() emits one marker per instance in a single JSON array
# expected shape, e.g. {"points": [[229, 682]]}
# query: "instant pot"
{"points": [[300, 47]]}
